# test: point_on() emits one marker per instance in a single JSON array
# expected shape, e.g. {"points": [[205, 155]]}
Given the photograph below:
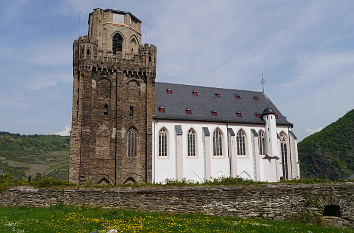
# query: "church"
{"points": [[128, 128]]}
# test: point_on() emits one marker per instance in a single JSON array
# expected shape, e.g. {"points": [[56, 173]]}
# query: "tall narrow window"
{"points": [[261, 139], [131, 111], [217, 143], [284, 155], [191, 142], [163, 143], [105, 110], [241, 142], [132, 134], [117, 43]]}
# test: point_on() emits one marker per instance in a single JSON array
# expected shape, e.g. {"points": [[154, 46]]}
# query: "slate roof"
{"points": [[202, 105]]}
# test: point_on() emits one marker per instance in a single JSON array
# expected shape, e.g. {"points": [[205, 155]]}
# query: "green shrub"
{"points": [[306, 181], [48, 182]]}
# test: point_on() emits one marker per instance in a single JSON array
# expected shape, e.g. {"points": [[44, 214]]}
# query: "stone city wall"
{"points": [[269, 201]]}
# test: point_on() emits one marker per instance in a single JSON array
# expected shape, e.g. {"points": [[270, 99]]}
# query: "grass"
{"points": [[63, 218]]}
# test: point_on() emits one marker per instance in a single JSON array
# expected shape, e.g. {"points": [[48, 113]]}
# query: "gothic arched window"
{"points": [[132, 142], [133, 46], [191, 142], [163, 142], [117, 43], [217, 143], [241, 142], [261, 143], [284, 154]]}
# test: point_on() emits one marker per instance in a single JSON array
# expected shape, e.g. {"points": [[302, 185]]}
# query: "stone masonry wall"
{"points": [[271, 201]]}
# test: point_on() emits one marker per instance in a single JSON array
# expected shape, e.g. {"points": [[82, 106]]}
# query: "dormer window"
{"points": [[217, 95], [258, 115], [239, 114], [169, 91], [255, 98], [214, 113], [161, 109], [276, 116], [238, 97], [195, 93], [189, 111]]}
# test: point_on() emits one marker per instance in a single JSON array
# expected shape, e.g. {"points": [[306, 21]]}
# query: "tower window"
{"points": [[117, 43], [149, 58], [105, 110], [195, 93], [131, 111], [88, 52], [132, 135]]}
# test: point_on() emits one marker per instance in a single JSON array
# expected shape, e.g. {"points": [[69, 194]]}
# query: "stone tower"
{"points": [[113, 101]]}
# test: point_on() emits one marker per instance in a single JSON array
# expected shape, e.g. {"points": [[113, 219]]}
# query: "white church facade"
{"points": [[202, 133]]}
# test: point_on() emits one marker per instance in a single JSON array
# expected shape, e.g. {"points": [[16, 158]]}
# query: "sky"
{"points": [[304, 49]]}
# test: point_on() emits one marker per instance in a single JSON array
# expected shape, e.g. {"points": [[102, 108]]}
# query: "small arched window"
{"points": [[163, 142], [261, 143], [132, 142], [217, 143], [117, 43], [284, 154], [191, 142], [241, 142]]}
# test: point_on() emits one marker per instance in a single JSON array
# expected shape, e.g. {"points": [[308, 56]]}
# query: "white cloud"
{"points": [[37, 81], [312, 131], [65, 132]]}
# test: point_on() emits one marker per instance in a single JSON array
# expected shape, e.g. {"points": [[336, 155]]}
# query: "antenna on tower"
{"points": [[79, 23], [262, 83]]}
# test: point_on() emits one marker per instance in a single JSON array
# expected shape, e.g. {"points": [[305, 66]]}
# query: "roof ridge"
{"points": [[221, 88]]}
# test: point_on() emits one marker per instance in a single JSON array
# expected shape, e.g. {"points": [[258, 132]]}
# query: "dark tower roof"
{"points": [[267, 111], [212, 104]]}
